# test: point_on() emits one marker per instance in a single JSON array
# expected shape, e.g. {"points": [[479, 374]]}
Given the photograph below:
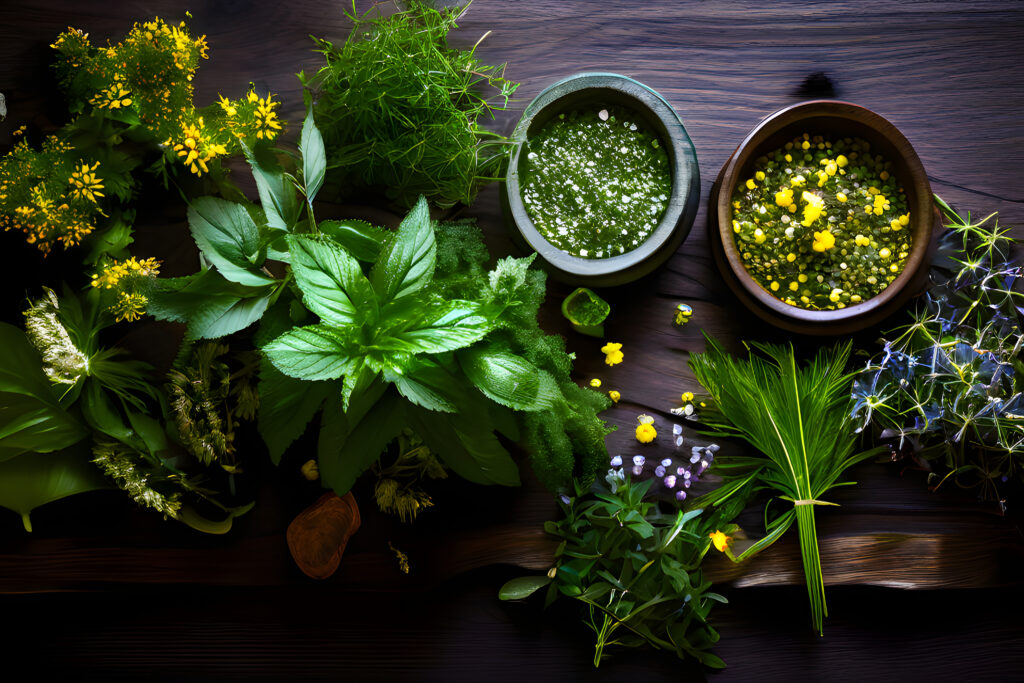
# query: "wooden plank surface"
{"points": [[950, 75]]}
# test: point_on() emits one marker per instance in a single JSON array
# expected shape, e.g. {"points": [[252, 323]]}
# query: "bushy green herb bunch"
{"points": [[379, 331], [401, 109], [947, 387], [635, 568]]}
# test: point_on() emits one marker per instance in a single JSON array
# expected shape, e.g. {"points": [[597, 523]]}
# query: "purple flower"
{"points": [[637, 470], [681, 495], [639, 460], [667, 462], [565, 499], [659, 471], [617, 461], [670, 481]]}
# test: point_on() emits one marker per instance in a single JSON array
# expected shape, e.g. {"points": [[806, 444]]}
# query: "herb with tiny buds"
{"points": [[947, 387]]}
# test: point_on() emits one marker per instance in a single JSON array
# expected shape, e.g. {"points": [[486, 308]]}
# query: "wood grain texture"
{"points": [[164, 602]]}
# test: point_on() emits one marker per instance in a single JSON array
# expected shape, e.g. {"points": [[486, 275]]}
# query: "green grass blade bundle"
{"points": [[797, 417]]}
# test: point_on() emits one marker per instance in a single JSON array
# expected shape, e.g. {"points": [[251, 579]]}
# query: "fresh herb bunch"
{"points": [[635, 568], [413, 332], [947, 386], [398, 490], [69, 405], [797, 418], [401, 109]]}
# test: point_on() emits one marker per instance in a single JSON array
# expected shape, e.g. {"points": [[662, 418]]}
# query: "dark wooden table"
{"points": [[107, 591]]}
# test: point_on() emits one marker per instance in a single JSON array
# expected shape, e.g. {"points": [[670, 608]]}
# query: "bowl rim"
{"points": [[675, 223], [922, 211]]}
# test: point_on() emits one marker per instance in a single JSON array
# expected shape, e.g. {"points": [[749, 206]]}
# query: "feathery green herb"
{"points": [[400, 109]]}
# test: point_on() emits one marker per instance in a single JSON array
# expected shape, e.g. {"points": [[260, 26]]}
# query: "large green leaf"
{"points": [[314, 352], [286, 407], [277, 195], [358, 238], [350, 444], [466, 444], [31, 417], [212, 306], [406, 264], [509, 379], [332, 282], [35, 479], [314, 157], [228, 237], [450, 325]]}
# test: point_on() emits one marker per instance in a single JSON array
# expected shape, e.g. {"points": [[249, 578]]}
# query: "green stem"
{"points": [[812, 564]]}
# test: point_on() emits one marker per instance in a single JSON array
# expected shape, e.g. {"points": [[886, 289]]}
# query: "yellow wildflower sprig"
{"points": [[125, 280], [52, 195], [150, 74]]}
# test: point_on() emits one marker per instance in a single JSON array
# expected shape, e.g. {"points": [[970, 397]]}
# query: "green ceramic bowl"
{"points": [[604, 90]]}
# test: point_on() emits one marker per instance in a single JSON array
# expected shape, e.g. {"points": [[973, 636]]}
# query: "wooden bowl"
{"points": [[836, 120], [608, 90]]}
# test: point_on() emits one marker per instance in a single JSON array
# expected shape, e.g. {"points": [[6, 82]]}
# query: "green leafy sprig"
{"points": [[634, 568]]}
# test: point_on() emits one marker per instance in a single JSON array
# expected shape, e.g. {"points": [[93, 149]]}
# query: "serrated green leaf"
{"points": [[31, 417], [212, 306], [286, 407], [406, 264], [358, 238], [226, 234], [332, 282], [35, 479], [509, 379], [314, 157], [426, 385], [314, 352], [522, 587], [450, 325], [277, 194]]}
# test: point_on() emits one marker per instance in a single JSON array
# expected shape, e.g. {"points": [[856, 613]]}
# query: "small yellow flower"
{"points": [[645, 433], [823, 241], [687, 396], [784, 197], [720, 540], [813, 208], [750, 183], [612, 353], [841, 197], [595, 382], [862, 241], [774, 286], [842, 161], [790, 257], [310, 470], [614, 396], [884, 252]]}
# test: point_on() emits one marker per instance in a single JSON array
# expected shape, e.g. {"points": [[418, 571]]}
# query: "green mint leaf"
{"points": [[406, 264], [31, 417], [314, 157], [212, 306], [332, 283], [350, 444], [466, 444], [315, 352], [358, 238], [427, 385], [277, 194], [226, 234], [286, 407], [450, 325], [510, 380]]}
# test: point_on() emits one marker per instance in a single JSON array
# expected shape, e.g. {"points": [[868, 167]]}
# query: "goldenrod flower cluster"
{"points": [[148, 76], [126, 280], [50, 194]]}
